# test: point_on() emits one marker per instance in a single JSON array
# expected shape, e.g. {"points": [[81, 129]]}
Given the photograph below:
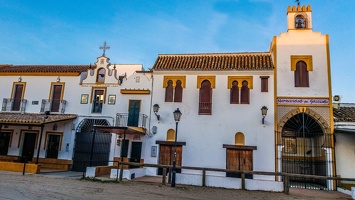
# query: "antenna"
{"points": [[298, 2]]}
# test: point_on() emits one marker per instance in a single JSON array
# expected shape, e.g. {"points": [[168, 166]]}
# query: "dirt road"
{"points": [[30, 186]]}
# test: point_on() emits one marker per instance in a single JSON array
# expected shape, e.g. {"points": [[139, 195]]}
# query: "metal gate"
{"points": [[83, 143], [304, 151]]}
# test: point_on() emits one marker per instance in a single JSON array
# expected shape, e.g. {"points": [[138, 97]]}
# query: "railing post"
{"points": [[286, 185], [243, 180], [121, 171], [24, 165], [117, 170], [164, 176], [203, 177]]}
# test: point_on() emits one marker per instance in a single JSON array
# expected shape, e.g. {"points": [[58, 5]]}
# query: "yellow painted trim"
{"points": [[274, 50], [211, 79], [299, 8], [174, 79], [53, 133], [51, 90], [39, 74], [305, 58], [13, 89], [240, 80], [98, 88], [331, 114], [138, 91], [239, 138]]}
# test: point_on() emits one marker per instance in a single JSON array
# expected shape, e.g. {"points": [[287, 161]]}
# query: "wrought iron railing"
{"points": [[124, 119], [205, 108], [14, 105], [53, 105]]}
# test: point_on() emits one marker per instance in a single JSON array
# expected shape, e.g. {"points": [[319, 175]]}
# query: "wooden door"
{"points": [[133, 113], [29, 144], [136, 153], [53, 146], [239, 160], [4, 143], [166, 156], [56, 95], [16, 105]]}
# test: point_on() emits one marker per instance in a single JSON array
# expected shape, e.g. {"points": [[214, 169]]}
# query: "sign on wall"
{"points": [[302, 101]]}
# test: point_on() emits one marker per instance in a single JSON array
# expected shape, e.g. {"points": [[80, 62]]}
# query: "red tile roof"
{"points": [[5, 68], [33, 118], [344, 114], [214, 61]]}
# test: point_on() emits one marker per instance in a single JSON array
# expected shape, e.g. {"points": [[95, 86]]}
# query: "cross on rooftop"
{"points": [[104, 48], [298, 2]]}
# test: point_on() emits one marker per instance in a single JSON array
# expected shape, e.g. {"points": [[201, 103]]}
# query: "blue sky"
{"points": [[70, 32]]}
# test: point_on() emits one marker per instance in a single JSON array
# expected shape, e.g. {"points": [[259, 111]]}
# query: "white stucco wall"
{"points": [[345, 154], [302, 42], [205, 134]]}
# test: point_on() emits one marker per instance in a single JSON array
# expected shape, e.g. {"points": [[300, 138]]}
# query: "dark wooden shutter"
{"points": [[17, 97], [56, 95], [244, 93], [264, 84], [169, 92], [205, 104], [301, 75], [178, 92], [234, 93]]}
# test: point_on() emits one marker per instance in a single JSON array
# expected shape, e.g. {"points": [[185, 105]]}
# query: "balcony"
{"points": [[53, 105], [205, 108], [14, 105], [126, 119]]}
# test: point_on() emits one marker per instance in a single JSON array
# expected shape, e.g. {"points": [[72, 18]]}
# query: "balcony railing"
{"points": [[14, 105], [124, 119], [53, 105], [205, 108]]}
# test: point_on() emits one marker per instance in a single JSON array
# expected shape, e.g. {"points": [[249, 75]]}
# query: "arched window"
{"points": [[234, 93], [170, 135], [100, 75], [300, 22], [205, 101], [178, 92], [239, 138], [244, 93], [301, 75], [169, 92]]}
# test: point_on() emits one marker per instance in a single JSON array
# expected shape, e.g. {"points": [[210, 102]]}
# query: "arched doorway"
{"points": [[83, 142], [304, 138]]}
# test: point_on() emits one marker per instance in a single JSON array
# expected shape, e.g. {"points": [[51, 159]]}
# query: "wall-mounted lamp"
{"points": [[263, 112], [155, 110], [19, 79], [58, 79], [55, 127]]}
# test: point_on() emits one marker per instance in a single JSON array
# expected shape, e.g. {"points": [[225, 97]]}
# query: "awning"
{"points": [[121, 129], [33, 119]]}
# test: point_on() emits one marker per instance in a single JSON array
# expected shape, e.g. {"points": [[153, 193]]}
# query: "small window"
{"points": [[300, 22], [264, 83], [239, 138], [301, 75], [100, 75], [170, 135], [98, 100], [244, 93], [205, 103], [234, 93]]}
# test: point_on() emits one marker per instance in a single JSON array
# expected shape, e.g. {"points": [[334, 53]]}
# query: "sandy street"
{"points": [[30, 186]]}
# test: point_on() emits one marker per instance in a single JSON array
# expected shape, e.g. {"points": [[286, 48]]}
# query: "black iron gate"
{"points": [[304, 151], [83, 142]]}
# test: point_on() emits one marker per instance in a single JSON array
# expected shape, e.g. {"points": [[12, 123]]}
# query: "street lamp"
{"points": [[263, 113], [177, 116]]}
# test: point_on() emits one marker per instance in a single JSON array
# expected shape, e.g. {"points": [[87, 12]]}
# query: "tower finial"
{"points": [[104, 48], [298, 2]]}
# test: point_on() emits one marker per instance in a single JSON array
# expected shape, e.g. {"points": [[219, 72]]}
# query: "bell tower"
{"points": [[299, 18]]}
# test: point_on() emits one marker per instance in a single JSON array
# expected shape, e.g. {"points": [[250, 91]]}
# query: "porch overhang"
{"points": [[33, 119]]}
